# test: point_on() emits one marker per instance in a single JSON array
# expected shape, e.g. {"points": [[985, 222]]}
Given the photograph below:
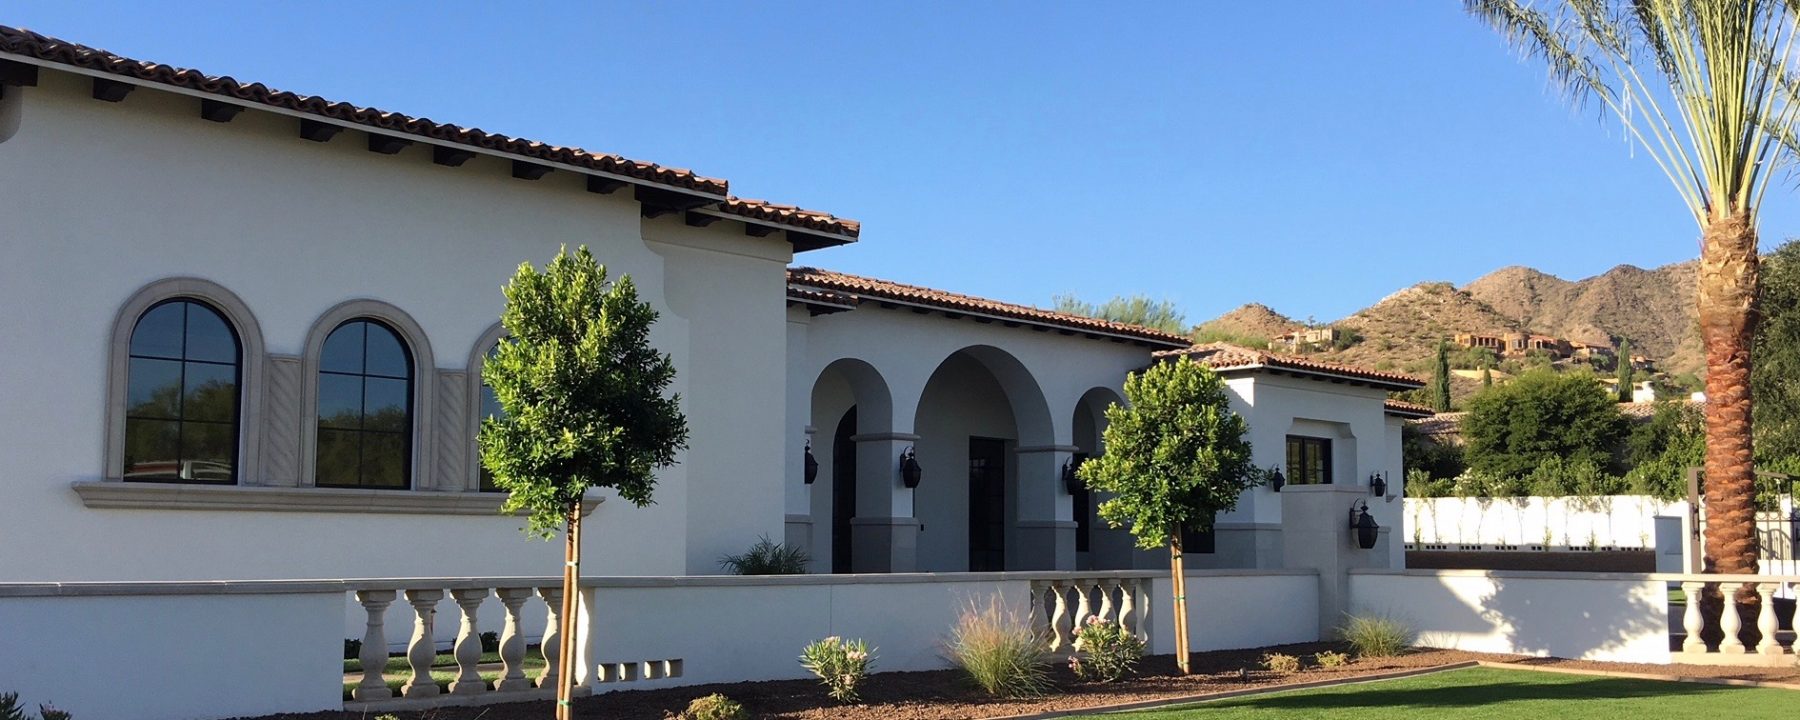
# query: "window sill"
{"points": [[175, 496]]}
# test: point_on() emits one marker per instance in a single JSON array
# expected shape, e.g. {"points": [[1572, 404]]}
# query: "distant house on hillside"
{"points": [[1491, 342], [1588, 351], [1305, 339]]}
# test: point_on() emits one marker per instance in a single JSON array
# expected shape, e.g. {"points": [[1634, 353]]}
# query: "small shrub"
{"points": [[1329, 659], [1281, 664], [1112, 651], [387, 716], [999, 650], [714, 707], [10, 710], [352, 649], [767, 557], [490, 642], [842, 665], [1374, 636]]}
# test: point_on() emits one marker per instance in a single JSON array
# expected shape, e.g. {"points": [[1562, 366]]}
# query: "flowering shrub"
{"points": [[1112, 651], [714, 707], [841, 664]]}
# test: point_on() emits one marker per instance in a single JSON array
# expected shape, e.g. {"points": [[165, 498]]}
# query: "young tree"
{"points": [[582, 391], [1136, 310], [1440, 379], [1175, 458], [1626, 369], [1704, 88]]}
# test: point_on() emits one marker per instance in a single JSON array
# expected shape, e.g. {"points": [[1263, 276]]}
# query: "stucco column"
{"points": [[884, 535], [798, 530], [1045, 525], [1316, 534]]}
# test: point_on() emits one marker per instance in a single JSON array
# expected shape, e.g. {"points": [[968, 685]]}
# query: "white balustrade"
{"points": [[1060, 607], [553, 596], [512, 641], [468, 644], [1724, 616], [423, 649], [1730, 622], [374, 653]]}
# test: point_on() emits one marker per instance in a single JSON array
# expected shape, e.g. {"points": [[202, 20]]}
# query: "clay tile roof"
{"points": [[1226, 356], [1406, 409], [863, 287], [1449, 423], [33, 45], [821, 297]]}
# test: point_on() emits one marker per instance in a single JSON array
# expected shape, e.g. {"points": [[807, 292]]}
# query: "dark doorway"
{"points": [[987, 504], [843, 490]]}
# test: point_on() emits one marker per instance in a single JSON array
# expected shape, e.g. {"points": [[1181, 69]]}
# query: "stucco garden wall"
{"points": [[1622, 521]]}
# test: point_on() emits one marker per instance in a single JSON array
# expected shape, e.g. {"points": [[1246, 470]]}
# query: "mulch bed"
{"points": [[946, 695]]}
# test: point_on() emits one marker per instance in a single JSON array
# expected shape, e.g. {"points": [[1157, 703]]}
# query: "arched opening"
{"points": [[981, 414], [848, 398], [1097, 547]]}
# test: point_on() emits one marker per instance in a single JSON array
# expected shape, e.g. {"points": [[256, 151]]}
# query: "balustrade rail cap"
{"points": [[1595, 576]]}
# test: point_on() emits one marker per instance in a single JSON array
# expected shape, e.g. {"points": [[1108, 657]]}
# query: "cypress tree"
{"points": [[1440, 383], [1487, 377], [1625, 371]]}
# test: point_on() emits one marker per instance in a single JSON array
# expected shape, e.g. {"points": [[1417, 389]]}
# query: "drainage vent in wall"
{"points": [[644, 670]]}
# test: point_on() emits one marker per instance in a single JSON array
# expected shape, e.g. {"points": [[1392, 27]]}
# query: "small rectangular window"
{"points": [[1308, 460]]}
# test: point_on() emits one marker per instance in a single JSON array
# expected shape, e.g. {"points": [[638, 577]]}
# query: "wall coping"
{"points": [[188, 496], [291, 587], [1592, 576]]}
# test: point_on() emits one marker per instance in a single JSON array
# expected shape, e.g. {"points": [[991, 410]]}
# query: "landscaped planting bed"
{"points": [[947, 695]]}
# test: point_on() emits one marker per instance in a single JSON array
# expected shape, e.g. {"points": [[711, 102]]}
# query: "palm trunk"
{"points": [[1178, 580], [1727, 285]]}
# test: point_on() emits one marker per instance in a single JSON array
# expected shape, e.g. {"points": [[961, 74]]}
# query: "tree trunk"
{"points": [[565, 651], [1727, 285], [1178, 579]]}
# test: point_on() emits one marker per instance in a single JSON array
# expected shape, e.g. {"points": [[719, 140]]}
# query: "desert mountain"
{"points": [[1254, 320]]}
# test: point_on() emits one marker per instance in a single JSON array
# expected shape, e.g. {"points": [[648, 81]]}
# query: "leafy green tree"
{"points": [[1626, 379], [1436, 459], [583, 394], [1704, 87], [1440, 378], [1487, 378], [1135, 310], [1776, 381], [1513, 428], [1175, 458], [1661, 451]]}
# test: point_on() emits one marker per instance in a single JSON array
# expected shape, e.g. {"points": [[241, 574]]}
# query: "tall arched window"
{"points": [[490, 407], [365, 410], [184, 366]]}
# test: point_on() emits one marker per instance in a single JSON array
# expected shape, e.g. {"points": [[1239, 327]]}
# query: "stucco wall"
{"points": [[104, 198], [1586, 616], [1623, 521]]}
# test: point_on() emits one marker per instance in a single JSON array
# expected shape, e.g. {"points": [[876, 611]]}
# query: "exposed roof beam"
{"points": [[111, 90], [387, 144], [317, 131], [529, 170], [217, 111], [449, 156]]}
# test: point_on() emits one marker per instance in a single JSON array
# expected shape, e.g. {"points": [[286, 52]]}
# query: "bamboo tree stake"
{"points": [[1179, 583], [565, 650]]}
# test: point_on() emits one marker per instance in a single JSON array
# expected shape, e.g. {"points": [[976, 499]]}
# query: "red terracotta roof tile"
{"points": [[1406, 409], [861, 287], [49, 49], [1225, 356]]}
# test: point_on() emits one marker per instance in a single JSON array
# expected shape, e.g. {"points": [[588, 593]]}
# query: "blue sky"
{"points": [[1311, 156]]}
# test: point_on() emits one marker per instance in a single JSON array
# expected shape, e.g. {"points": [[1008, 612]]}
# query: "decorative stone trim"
{"points": [[424, 385], [472, 416], [250, 388], [884, 437], [1030, 449], [174, 496]]}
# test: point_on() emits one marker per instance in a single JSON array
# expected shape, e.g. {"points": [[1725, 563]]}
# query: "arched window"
{"points": [[489, 407], [365, 408], [183, 373]]}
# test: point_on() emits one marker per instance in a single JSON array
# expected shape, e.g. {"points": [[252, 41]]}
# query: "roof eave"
{"points": [[1004, 318], [1326, 375]]}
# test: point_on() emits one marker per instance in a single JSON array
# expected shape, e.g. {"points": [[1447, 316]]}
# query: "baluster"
{"points": [[1127, 588], [1730, 623], [1106, 601], [1082, 609], [422, 650], [374, 653], [1058, 639], [468, 644], [1765, 621], [552, 635], [1691, 622], [1143, 610], [512, 642]]}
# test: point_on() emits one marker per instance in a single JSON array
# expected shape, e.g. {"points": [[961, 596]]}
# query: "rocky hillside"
{"points": [[1652, 308]]}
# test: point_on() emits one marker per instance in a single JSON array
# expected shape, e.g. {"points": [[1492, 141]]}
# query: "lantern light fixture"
{"points": [[812, 465], [1378, 484], [1276, 479], [910, 470], [1071, 481], [1362, 525]]}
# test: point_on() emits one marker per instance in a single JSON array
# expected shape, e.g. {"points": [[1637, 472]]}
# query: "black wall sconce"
{"points": [[1276, 479], [812, 465], [1363, 525], [1071, 482], [910, 471], [1378, 484]]}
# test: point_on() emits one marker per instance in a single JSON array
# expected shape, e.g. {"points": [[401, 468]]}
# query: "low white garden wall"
{"points": [[1230, 609], [1537, 523], [164, 650], [1586, 616]]}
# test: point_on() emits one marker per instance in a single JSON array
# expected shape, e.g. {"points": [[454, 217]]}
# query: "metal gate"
{"points": [[1777, 523]]}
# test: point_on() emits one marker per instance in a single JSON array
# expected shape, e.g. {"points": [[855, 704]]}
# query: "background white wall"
{"points": [[1585, 616], [1621, 521]]}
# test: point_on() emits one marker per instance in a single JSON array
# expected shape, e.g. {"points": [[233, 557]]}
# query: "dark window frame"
{"points": [[1302, 450], [236, 424], [411, 418]]}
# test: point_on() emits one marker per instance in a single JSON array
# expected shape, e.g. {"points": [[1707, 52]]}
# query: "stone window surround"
{"points": [[258, 488]]}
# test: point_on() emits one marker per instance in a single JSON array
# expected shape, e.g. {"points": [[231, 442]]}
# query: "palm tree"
{"points": [[1703, 87]]}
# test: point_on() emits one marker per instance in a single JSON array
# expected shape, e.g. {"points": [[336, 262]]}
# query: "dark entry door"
{"points": [[843, 491], [987, 504]]}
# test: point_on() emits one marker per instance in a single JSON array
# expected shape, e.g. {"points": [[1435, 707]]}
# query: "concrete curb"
{"points": [[1231, 694], [1733, 682]]}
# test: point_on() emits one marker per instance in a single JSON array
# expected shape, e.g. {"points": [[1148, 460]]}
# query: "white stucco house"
{"points": [[245, 330]]}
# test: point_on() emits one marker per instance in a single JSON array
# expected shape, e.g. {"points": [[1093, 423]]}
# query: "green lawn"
{"points": [[1495, 694]]}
